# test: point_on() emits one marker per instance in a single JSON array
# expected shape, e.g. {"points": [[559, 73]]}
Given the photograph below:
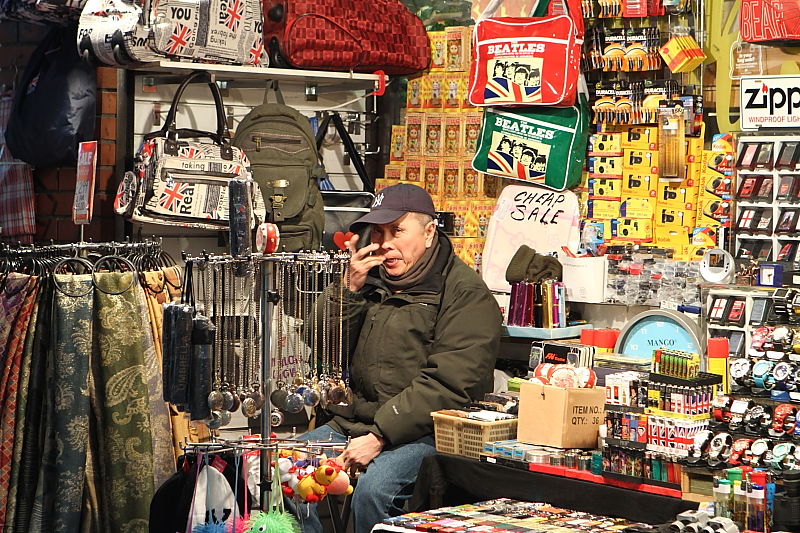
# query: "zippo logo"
{"points": [[782, 99]]}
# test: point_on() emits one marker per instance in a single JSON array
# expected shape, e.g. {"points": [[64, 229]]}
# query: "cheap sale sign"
{"points": [[770, 102]]}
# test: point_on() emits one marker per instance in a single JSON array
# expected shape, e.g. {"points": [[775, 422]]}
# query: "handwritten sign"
{"points": [[543, 219]]}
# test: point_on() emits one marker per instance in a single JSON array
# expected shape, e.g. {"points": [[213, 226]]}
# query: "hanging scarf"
{"points": [[416, 273], [34, 423], [125, 453], [21, 406], [63, 469]]}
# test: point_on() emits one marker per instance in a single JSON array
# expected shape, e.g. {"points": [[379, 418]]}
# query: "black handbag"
{"points": [[342, 208]]}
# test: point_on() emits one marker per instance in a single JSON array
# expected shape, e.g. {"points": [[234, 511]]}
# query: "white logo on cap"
{"points": [[378, 200]]}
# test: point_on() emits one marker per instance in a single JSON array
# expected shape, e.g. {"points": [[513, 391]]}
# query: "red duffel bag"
{"points": [[357, 35]]}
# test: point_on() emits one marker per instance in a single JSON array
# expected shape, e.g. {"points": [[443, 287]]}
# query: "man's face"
{"points": [[402, 242]]}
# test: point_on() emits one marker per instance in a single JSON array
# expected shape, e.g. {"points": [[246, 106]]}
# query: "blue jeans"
{"points": [[382, 489]]}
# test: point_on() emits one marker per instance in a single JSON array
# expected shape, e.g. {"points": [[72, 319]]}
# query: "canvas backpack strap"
{"points": [[272, 86]]}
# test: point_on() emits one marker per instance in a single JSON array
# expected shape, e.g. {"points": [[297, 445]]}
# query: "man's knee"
{"points": [[368, 493]]}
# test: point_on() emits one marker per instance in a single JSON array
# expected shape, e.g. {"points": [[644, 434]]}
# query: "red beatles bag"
{"points": [[526, 61], [357, 35]]}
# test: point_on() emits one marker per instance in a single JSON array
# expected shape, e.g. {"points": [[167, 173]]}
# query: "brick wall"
{"points": [[54, 187]]}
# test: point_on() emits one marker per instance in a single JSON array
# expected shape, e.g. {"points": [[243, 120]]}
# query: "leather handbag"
{"points": [[345, 35], [181, 176], [526, 61], [342, 208]]}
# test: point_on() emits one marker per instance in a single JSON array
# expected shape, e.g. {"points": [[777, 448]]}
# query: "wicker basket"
{"points": [[466, 437]]}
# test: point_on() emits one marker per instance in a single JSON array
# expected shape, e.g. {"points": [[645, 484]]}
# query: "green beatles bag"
{"points": [[546, 146]]}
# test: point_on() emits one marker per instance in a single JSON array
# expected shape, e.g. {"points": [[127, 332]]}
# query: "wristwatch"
{"points": [[719, 449], [739, 447], [720, 407], [783, 456], [738, 409], [760, 337], [740, 369], [700, 444], [757, 450], [780, 300], [784, 418], [782, 376], [761, 371], [753, 419]]}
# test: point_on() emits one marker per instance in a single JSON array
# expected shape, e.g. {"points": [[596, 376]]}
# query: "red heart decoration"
{"points": [[340, 238]]}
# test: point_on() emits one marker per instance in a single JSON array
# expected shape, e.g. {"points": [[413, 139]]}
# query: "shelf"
{"points": [[754, 237], [726, 328], [757, 203], [624, 408], [622, 443], [544, 333], [239, 72]]}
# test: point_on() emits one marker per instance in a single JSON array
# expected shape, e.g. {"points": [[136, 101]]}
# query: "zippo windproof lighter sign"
{"points": [[770, 102]]}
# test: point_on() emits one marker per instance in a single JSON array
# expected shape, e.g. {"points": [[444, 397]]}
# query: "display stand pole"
{"points": [[267, 298]]}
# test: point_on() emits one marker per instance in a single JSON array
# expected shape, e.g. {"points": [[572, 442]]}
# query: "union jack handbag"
{"points": [[526, 61], [181, 176], [545, 146], [218, 31]]}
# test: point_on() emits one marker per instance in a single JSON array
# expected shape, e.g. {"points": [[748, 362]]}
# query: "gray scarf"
{"points": [[416, 273]]}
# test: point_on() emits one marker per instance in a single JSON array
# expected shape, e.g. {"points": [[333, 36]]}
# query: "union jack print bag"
{"points": [[545, 146], [181, 176], [218, 31], [527, 61]]}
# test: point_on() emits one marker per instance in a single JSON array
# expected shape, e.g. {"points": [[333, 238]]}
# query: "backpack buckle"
{"points": [[278, 201]]}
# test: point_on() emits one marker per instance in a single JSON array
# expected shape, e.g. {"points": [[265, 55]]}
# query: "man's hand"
{"points": [[361, 451], [361, 262]]}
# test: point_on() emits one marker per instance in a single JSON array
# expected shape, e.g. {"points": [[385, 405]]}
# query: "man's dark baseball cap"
{"points": [[393, 202]]}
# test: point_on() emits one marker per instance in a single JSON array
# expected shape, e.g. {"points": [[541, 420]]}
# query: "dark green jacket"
{"points": [[429, 348]]}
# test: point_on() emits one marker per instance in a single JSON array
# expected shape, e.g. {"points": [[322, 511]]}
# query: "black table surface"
{"points": [[446, 480]]}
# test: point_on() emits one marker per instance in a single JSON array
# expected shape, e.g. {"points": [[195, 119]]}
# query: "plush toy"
{"points": [[341, 482], [311, 488]]}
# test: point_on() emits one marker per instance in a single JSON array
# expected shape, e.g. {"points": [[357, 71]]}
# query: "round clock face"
{"points": [[653, 330]]}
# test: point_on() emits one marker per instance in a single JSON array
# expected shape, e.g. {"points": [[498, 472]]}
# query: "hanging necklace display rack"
{"points": [[308, 366], [241, 296]]}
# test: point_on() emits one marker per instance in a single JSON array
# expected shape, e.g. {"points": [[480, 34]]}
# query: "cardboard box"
{"points": [[632, 230], [603, 209], [457, 40], [453, 137], [434, 131], [640, 138], [563, 418], [415, 123], [394, 171], [471, 131], [438, 50], [637, 207], [398, 143], [637, 184], [414, 94], [605, 167], [605, 189], [605, 144], [641, 161]]}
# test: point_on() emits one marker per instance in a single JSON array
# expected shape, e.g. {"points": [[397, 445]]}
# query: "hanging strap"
{"points": [[539, 9], [349, 146], [272, 86]]}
